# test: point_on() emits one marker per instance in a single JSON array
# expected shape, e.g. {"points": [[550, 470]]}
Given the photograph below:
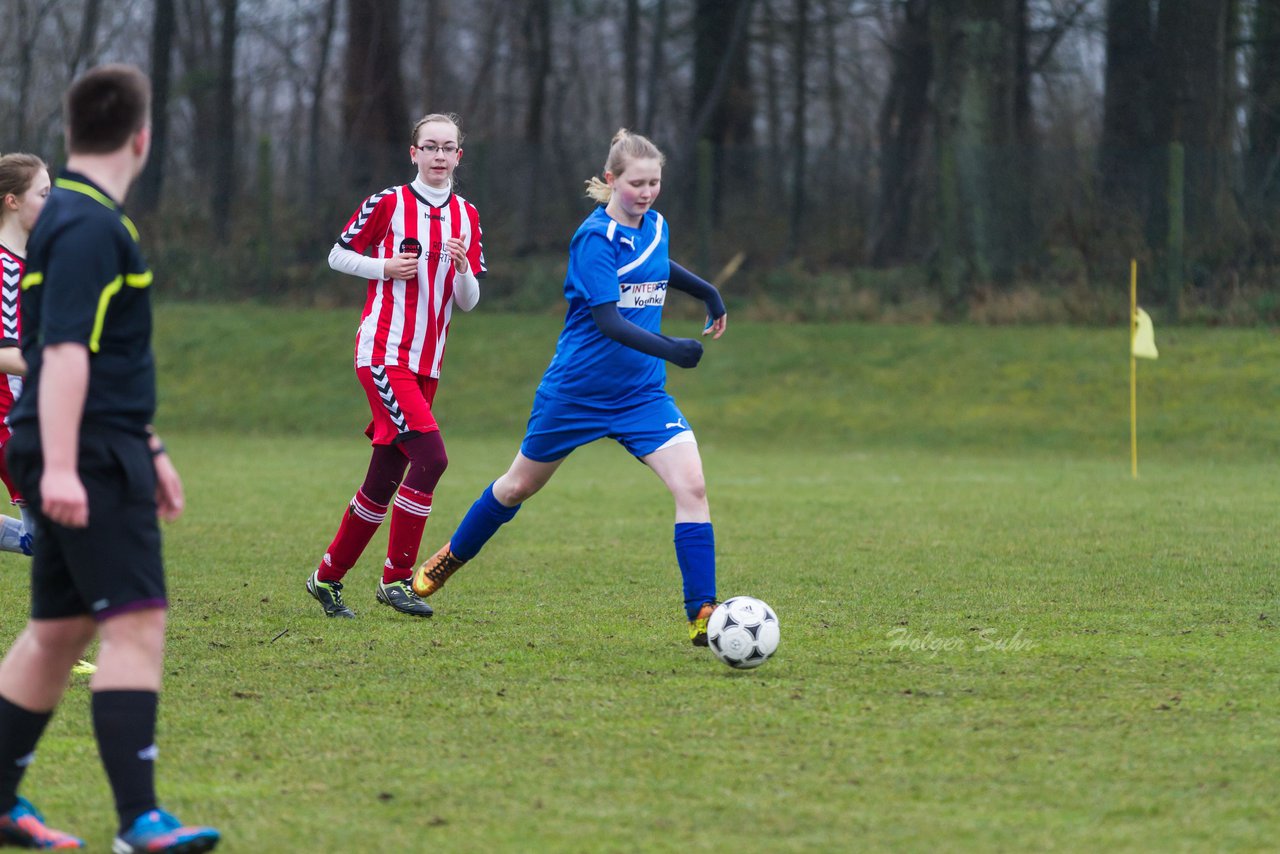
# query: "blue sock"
{"points": [[482, 521], [696, 554]]}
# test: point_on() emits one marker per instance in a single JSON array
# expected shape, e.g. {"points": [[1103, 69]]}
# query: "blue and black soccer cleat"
{"points": [[24, 827], [157, 831]]}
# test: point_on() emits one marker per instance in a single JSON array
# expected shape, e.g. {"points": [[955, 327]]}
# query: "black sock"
{"points": [[20, 729], [124, 722]]}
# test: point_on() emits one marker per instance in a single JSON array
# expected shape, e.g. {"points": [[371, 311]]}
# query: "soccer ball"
{"points": [[743, 632]]}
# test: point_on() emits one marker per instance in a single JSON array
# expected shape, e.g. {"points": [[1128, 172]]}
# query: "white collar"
{"points": [[436, 197]]}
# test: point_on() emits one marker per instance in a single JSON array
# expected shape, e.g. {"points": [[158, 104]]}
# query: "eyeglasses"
{"points": [[430, 148]]}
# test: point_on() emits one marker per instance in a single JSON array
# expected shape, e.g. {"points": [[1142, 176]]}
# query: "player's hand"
{"points": [[458, 252], [688, 352], [63, 498], [402, 265], [170, 501], [715, 328]]}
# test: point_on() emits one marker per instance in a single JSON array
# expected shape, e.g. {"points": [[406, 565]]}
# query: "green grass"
{"points": [[993, 637]]}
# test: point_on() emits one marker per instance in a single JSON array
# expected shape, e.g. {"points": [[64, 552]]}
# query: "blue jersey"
{"points": [[611, 262]]}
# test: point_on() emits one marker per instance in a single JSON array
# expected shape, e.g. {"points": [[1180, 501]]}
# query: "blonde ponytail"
{"points": [[625, 147]]}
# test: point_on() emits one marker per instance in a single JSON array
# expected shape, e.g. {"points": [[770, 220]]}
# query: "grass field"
{"points": [[993, 638]]}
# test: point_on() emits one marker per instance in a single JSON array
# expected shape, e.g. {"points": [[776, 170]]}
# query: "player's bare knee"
{"points": [[518, 489], [60, 638], [693, 491]]}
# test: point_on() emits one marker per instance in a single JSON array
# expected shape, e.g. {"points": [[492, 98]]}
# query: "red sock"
{"points": [[408, 516], [359, 524]]}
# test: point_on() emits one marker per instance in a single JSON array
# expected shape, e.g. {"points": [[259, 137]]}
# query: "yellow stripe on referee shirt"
{"points": [[133, 280], [113, 287], [93, 193]]}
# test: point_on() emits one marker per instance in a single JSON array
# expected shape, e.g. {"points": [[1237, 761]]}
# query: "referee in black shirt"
{"points": [[95, 476]]}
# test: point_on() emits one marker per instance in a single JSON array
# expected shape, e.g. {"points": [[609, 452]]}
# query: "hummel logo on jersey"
{"points": [[629, 242], [679, 423]]}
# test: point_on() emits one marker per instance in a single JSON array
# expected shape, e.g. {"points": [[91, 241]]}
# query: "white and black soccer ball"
{"points": [[743, 632]]}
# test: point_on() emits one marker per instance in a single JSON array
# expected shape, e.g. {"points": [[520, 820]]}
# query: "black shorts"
{"points": [[112, 566]]}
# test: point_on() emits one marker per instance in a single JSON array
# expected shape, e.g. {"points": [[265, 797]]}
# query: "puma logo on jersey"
{"points": [[629, 242]]}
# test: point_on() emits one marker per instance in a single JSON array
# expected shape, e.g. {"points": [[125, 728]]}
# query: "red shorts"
{"points": [[400, 401]]}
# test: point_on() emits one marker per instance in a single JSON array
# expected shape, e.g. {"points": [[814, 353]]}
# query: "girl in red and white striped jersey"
{"points": [[418, 246], [24, 185]]}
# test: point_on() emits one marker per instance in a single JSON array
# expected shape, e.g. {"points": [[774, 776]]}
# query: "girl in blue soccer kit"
{"points": [[608, 377]]}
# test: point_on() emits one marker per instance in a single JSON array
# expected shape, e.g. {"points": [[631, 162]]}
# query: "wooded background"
{"points": [[989, 159]]}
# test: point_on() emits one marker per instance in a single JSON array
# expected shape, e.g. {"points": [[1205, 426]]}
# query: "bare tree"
{"points": [[657, 64], [315, 116], [1124, 157], [83, 54], [537, 30], [373, 94], [431, 69], [631, 64], [799, 121], [1194, 104], [151, 182], [224, 165], [1263, 164], [723, 108], [30, 15], [490, 47], [904, 116]]}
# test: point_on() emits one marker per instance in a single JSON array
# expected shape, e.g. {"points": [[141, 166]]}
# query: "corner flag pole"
{"points": [[1133, 365]]}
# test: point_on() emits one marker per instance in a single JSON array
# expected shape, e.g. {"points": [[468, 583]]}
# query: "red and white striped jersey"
{"points": [[405, 323], [11, 267]]}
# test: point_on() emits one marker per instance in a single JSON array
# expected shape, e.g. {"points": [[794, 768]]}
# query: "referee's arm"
{"points": [[64, 382]]}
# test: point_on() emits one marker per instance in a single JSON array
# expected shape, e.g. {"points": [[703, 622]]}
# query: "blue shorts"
{"points": [[557, 427]]}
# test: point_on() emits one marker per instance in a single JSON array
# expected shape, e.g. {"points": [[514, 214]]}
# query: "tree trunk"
{"points": [[723, 109], [316, 115], [31, 14], [904, 114], [1124, 156], [656, 66], [987, 131], [799, 122], [373, 103], [88, 36], [537, 30], [151, 181], [1195, 107], [196, 47], [1263, 161], [631, 65], [432, 70], [224, 165], [948, 72]]}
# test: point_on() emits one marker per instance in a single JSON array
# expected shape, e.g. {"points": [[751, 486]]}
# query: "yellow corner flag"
{"points": [[1144, 336], [1142, 344]]}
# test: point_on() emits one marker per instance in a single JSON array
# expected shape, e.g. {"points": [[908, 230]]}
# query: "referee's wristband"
{"points": [[158, 450]]}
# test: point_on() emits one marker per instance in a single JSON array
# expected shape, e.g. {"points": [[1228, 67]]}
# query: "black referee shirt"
{"points": [[87, 282]]}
